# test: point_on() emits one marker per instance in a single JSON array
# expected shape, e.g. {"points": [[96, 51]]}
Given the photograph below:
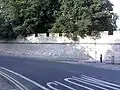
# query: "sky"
{"points": [[117, 10]]}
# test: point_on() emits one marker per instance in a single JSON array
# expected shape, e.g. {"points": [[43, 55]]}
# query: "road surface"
{"points": [[47, 75]]}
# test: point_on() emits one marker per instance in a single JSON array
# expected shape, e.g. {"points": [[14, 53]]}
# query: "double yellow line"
{"points": [[13, 81]]}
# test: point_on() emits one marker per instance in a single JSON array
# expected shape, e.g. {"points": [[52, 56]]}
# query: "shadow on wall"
{"points": [[113, 51]]}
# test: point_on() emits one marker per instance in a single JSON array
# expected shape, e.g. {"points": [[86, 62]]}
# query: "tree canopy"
{"points": [[84, 17], [6, 30], [74, 17], [30, 16]]}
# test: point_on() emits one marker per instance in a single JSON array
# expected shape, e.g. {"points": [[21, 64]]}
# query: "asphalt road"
{"points": [[47, 75]]}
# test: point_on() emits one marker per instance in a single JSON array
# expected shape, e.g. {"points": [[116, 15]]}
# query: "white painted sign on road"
{"points": [[70, 83], [86, 82]]}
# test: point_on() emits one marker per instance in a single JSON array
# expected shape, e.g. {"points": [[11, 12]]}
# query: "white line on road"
{"points": [[18, 86], [104, 85], [112, 84], [33, 82], [49, 84], [68, 80], [64, 85], [14, 80], [99, 83], [89, 83]]}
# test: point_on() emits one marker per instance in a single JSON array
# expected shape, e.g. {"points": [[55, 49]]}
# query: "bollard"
{"points": [[113, 60], [100, 58]]}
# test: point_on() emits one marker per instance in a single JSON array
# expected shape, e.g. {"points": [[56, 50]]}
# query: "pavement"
{"points": [[97, 64], [42, 74]]}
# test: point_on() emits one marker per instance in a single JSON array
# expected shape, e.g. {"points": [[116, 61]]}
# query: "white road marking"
{"points": [[11, 81], [64, 85], [31, 81], [49, 84], [100, 83], [89, 83], [14, 80], [85, 81], [68, 80], [103, 81]]}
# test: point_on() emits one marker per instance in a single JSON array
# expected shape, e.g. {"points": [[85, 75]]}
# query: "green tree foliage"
{"points": [[84, 17], [74, 17], [31, 16], [6, 30]]}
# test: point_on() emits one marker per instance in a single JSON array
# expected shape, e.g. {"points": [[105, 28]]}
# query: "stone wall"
{"points": [[56, 46], [107, 45], [44, 50]]}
